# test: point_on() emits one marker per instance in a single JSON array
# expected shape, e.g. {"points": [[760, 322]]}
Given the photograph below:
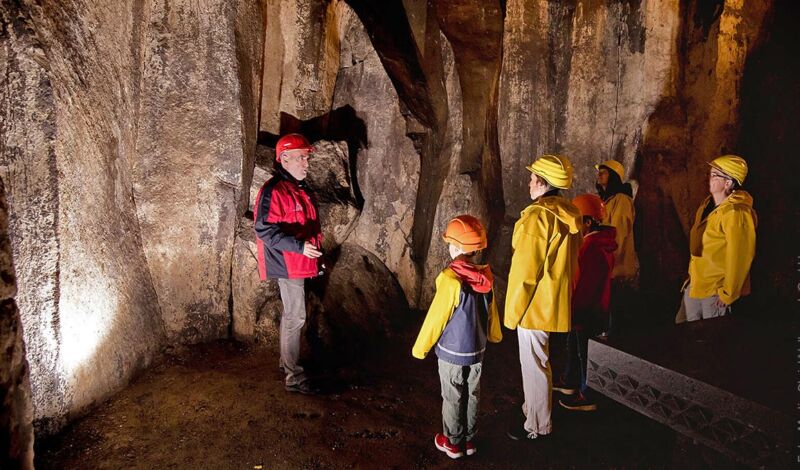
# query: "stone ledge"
{"points": [[738, 427]]}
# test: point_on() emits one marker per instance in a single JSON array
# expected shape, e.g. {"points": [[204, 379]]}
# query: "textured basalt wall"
{"points": [[128, 133]]}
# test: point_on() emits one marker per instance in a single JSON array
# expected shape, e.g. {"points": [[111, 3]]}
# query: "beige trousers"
{"points": [[537, 380]]}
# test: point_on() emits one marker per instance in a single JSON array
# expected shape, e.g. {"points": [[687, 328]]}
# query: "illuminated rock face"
{"points": [[131, 135]]}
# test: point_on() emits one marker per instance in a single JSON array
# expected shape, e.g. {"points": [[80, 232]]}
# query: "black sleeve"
{"points": [[271, 233]]}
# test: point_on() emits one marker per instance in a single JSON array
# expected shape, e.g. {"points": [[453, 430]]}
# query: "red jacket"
{"points": [[592, 294], [285, 217]]}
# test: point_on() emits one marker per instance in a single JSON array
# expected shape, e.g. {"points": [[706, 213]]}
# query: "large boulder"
{"points": [[359, 303]]}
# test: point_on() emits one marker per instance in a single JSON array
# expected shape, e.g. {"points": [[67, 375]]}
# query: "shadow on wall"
{"points": [[342, 124], [770, 141]]}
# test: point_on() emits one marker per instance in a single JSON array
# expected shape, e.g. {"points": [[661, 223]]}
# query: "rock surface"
{"points": [[16, 407], [360, 304], [189, 176], [301, 63], [124, 167], [88, 307], [388, 168]]}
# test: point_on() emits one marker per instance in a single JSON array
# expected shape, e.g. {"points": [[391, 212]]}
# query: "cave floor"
{"points": [[222, 405]]}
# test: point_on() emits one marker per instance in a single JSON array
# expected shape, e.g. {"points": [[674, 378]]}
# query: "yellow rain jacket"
{"points": [[620, 214], [544, 265], [722, 247]]}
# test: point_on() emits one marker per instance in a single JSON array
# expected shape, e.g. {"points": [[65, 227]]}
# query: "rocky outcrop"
{"points": [[16, 409], [388, 167], [301, 62]]}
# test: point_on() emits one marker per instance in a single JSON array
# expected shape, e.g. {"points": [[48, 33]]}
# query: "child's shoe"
{"points": [[579, 402], [444, 444], [470, 448]]}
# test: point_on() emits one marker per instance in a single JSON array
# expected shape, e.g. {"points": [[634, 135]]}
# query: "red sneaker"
{"points": [[471, 449], [444, 444]]}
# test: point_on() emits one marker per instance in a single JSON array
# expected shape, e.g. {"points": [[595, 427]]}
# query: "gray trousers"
{"points": [[699, 309], [537, 380], [461, 390], [293, 296]]}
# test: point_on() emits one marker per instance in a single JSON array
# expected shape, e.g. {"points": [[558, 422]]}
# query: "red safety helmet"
{"points": [[591, 205], [291, 142]]}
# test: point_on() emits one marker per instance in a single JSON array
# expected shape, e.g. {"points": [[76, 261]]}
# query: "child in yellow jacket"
{"points": [[461, 318]]}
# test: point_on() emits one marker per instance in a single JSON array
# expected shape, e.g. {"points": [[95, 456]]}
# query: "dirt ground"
{"points": [[222, 406]]}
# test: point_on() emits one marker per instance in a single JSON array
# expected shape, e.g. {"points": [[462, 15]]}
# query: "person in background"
{"points": [[722, 244], [620, 214], [591, 298], [289, 245], [545, 241], [462, 317]]}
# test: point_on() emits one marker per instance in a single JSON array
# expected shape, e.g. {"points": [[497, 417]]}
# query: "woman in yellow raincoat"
{"points": [[722, 243]]}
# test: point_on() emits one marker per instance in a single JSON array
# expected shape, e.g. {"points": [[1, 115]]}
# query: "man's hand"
{"points": [[719, 303], [311, 251]]}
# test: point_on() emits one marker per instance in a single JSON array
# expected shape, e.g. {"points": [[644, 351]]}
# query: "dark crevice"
{"points": [[387, 25], [342, 124]]}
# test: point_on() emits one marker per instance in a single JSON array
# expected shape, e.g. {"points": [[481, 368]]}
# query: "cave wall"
{"points": [[87, 304], [128, 132], [16, 408], [189, 174], [654, 84]]}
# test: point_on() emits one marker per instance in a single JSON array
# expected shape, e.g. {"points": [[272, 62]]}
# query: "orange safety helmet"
{"points": [[591, 205], [466, 232], [291, 142]]}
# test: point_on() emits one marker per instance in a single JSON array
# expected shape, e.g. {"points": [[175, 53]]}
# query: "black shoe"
{"points": [[602, 336], [303, 387], [578, 402], [518, 433]]}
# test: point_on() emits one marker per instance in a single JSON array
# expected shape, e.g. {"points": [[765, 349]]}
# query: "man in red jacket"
{"points": [[591, 297], [289, 243]]}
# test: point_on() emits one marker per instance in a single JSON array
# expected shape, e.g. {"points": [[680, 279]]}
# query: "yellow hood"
{"points": [[565, 212], [739, 197]]}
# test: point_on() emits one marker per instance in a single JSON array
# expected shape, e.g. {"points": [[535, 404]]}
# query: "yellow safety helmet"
{"points": [[555, 169], [614, 166], [731, 165]]}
